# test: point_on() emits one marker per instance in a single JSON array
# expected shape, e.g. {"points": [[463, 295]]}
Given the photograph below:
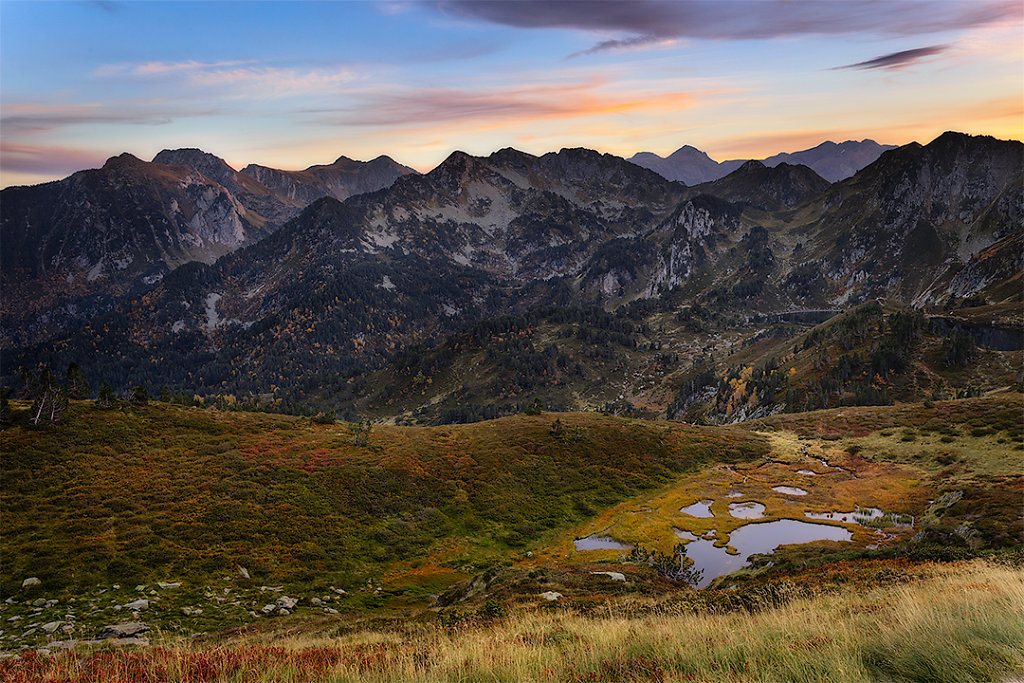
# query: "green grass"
{"points": [[144, 494]]}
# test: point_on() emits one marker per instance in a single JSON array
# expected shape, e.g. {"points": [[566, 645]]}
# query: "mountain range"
{"points": [[832, 161], [346, 287]]}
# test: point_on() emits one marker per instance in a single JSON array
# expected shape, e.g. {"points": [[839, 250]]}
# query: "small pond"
{"points": [[595, 542], [702, 508], [790, 490], [861, 516], [756, 537], [750, 510]]}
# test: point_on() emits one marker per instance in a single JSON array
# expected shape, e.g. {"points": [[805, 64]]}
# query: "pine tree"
{"points": [[166, 395], [78, 387], [137, 395], [106, 398]]}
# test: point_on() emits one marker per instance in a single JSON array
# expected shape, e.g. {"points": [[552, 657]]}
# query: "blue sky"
{"points": [[298, 83]]}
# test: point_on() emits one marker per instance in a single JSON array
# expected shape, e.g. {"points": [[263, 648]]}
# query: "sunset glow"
{"points": [[299, 83]]}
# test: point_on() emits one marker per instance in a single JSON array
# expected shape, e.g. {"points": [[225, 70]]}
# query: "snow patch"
{"points": [[387, 283]]}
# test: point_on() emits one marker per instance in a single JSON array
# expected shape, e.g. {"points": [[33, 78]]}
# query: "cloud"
{"points": [[625, 43], [523, 102], [898, 60], [645, 21], [49, 160], [30, 118], [160, 68], [242, 76]]}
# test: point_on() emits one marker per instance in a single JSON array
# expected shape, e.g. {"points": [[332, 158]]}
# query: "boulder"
{"points": [[128, 630], [164, 585], [52, 626], [30, 582], [243, 572], [138, 605], [267, 609], [614, 576], [551, 596], [285, 602]]}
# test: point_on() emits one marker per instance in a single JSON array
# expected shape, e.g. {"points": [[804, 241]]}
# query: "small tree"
{"points": [[50, 401], [106, 398], [78, 387], [137, 395], [166, 395]]}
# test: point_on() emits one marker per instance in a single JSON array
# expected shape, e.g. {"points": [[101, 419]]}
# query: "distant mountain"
{"points": [[829, 160], [73, 247], [342, 179], [768, 188], [687, 164], [832, 161]]}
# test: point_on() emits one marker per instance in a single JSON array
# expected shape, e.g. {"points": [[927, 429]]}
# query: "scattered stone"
{"points": [[191, 611], [11, 601], [13, 620], [52, 626], [227, 591], [30, 582], [51, 603], [614, 576], [138, 605], [330, 610], [276, 589], [243, 572], [285, 602], [39, 602], [43, 651], [122, 631], [315, 601], [116, 586], [140, 587], [283, 611], [551, 596], [152, 591], [339, 591], [267, 609], [165, 586]]}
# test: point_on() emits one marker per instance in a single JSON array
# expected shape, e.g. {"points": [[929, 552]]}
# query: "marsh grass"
{"points": [[952, 623]]}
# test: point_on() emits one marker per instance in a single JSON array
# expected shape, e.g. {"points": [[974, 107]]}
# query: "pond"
{"points": [[702, 508], [749, 510], [863, 517], [756, 537], [595, 542], [790, 490]]}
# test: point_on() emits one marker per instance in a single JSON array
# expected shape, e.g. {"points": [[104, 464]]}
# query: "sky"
{"points": [[292, 84]]}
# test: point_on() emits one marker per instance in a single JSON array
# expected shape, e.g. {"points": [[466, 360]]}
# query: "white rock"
{"points": [[551, 596], [137, 605], [243, 572], [30, 582], [614, 576], [315, 601], [283, 611], [285, 602], [129, 630], [164, 585], [52, 626], [267, 609]]}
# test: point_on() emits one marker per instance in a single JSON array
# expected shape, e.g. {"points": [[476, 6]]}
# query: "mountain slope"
{"points": [[342, 179], [769, 188], [73, 247]]}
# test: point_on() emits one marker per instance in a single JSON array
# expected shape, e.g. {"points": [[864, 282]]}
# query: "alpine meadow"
{"points": [[528, 395]]}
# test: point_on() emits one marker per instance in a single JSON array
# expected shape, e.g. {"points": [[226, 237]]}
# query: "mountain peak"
{"points": [[122, 160]]}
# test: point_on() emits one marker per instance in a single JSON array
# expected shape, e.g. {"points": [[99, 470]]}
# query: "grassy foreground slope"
{"points": [[961, 622], [151, 493]]}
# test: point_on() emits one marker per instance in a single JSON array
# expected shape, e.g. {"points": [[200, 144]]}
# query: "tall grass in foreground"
{"points": [[960, 623]]}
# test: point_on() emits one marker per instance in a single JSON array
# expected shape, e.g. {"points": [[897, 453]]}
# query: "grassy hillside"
{"points": [[145, 493], [936, 623]]}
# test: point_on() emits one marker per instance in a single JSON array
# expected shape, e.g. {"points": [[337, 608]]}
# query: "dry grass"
{"points": [[950, 623]]}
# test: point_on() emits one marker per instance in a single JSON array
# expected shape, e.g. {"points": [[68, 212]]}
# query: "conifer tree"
{"points": [[50, 401], [106, 398], [78, 387]]}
